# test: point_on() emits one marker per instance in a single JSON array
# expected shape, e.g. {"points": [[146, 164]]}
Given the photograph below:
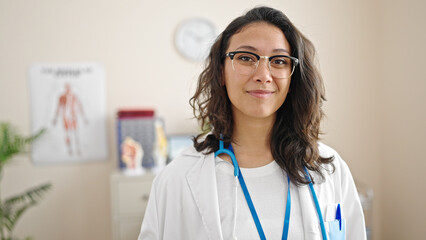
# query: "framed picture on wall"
{"points": [[68, 100]]}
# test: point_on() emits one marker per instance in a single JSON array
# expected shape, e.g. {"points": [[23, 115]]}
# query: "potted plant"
{"points": [[12, 208]]}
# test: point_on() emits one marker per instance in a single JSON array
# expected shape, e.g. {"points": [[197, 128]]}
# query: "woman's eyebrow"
{"points": [[278, 50], [248, 47]]}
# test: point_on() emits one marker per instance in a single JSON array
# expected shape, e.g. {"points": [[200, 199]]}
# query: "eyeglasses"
{"points": [[246, 63]]}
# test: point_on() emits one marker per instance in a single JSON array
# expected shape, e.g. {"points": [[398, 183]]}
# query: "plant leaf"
{"points": [[12, 143], [12, 208], [32, 195]]}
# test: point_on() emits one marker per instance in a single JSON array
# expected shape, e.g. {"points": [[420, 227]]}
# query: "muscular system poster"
{"points": [[68, 100]]}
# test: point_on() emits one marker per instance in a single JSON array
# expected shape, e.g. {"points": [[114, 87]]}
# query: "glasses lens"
{"points": [[281, 66], [245, 63]]}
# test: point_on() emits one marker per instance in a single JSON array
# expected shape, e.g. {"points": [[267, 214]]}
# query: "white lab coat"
{"points": [[183, 203]]}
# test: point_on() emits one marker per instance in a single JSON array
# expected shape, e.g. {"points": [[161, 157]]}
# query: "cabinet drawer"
{"points": [[133, 197]]}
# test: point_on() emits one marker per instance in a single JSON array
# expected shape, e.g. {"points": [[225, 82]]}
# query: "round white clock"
{"points": [[194, 37]]}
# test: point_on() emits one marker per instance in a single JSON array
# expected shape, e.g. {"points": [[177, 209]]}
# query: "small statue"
{"points": [[132, 154]]}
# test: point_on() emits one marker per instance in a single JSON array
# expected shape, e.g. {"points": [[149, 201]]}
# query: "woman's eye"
{"points": [[246, 59], [280, 61]]}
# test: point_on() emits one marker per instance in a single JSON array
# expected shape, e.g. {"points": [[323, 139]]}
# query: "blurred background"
{"points": [[372, 60]]}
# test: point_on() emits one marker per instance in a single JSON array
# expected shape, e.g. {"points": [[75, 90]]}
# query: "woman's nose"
{"points": [[263, 73]]}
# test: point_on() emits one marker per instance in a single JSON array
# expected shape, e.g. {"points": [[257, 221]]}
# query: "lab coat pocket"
{"points": [[335, 231]]}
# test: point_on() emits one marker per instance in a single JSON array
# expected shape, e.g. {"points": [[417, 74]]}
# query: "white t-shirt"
{"points": [[267, 186]]}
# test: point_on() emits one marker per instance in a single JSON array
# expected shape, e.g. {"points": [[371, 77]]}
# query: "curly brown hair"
{"points": [[295, 134]]}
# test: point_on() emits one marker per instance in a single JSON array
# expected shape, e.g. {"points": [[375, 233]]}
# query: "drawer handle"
{"points": [[145, 197]]}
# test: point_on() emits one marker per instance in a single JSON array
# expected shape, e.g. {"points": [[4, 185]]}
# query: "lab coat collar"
{"points": [[192, 152], [202, 182]]}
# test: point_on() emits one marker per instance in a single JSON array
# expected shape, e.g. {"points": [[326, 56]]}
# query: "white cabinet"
{"points": [[129, 197]]}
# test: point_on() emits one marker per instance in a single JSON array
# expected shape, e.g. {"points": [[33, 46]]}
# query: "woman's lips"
{"points": [[260, 93]]}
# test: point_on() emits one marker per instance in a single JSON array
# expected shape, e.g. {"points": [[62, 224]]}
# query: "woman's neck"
{"points": [[251, 141]]}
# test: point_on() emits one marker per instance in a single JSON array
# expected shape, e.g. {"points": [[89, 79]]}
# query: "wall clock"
{"points": [[194, 37]]}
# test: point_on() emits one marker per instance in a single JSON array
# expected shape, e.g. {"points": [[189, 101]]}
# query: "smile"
{"points": [[260, 93]]}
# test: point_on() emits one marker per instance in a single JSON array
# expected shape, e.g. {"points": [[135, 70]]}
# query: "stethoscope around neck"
{"points": [[238, 175]]}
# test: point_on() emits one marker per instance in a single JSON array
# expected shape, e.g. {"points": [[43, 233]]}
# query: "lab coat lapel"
{"points": [[202, 182]]}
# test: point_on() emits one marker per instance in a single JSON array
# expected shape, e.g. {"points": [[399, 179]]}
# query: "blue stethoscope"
{"points": [[237, 174]]}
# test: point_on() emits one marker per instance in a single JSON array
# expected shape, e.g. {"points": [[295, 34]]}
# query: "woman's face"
{"points": [[258, 95]]}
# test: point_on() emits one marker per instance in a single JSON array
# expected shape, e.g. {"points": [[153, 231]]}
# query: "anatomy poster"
{"points": [[68, 100]]}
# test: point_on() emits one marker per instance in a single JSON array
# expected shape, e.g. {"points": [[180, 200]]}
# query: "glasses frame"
{"points": [[295, 62]]}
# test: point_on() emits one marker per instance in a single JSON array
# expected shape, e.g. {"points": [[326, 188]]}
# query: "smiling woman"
{"points": [[259, 103], [253, 89]]}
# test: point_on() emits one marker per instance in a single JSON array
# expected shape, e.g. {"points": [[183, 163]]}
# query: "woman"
{"points": [[259, 97]]}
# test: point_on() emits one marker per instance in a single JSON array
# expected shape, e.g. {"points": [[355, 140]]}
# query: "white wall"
{"points": [[373, 119], [403, 86]]}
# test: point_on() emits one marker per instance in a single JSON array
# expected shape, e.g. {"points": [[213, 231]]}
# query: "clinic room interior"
{"points": [[132, 60]]}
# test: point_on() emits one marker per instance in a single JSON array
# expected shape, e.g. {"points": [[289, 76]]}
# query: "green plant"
{"points": [[12, 208]]}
